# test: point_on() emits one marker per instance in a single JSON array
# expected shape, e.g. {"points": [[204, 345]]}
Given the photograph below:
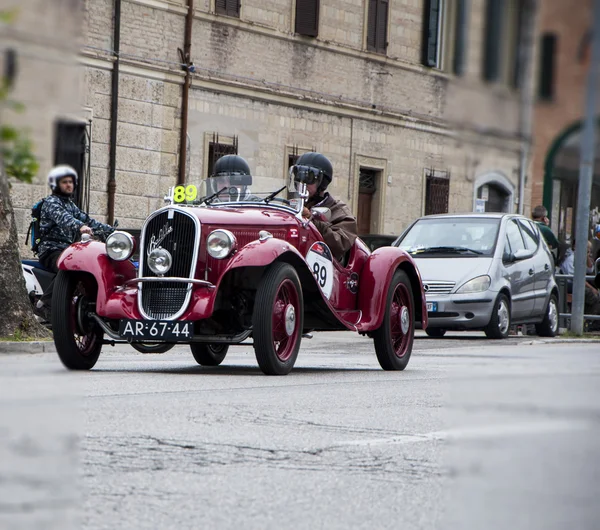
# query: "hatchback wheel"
{"points": [[499, 324], [436, 333], [549, 326]]}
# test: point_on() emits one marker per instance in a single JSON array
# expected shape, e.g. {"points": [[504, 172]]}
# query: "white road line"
{"points": [[477, 433]]}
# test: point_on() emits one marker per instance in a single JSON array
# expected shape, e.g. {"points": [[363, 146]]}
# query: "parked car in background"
{"points": [[483, 272], [375, 241]]}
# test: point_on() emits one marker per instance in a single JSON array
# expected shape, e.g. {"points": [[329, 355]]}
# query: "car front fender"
{"points": [[261, 253], [375, 281], [91, 258]]}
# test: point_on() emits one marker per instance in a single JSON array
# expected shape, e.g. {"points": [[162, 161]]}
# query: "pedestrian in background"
{"points": [[540, 216]]}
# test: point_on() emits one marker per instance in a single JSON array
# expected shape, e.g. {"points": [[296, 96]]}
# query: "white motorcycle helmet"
{"points": [[58, 172]]}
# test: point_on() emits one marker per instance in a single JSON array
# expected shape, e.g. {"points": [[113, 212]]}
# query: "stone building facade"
{"points": [[414, 101]]}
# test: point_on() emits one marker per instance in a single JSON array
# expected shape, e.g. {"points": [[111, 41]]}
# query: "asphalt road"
{"points": [[474, 434]]}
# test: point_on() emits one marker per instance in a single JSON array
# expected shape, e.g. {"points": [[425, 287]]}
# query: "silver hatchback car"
{"points": [[483, 272]]}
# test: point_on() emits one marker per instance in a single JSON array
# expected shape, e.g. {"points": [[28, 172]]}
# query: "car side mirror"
{"points": [[522, 254], [323, 212]]}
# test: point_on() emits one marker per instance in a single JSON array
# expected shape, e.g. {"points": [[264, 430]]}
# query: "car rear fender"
{"points": [[91, 258], [375, 281]]}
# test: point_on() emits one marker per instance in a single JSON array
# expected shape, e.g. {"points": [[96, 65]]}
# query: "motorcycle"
{"points": [[38, 278]]}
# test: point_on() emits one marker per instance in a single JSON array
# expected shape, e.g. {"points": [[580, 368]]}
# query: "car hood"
{"points": [[452, 269]]}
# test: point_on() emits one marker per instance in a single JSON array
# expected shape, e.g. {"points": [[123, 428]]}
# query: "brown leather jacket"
{"points": [[341, 230]]}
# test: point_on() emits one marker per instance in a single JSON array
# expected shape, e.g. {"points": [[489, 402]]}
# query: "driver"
{"points": [[231, 172], [61, 224], [340, 230]]}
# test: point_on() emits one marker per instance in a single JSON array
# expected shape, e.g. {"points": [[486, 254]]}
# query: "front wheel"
{"points": [[77, 337], [394, 338], [149, 347], [209, 354], [499, 324], [278, 319], [549, 326]]}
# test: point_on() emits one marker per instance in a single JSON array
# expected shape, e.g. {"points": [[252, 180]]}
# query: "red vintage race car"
{"points": [[217, 270]]}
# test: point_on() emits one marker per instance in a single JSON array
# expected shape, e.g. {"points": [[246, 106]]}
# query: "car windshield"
{"points": [[466, 236], [235, 190]]}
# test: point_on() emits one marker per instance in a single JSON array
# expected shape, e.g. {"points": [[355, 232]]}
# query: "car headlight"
{"points": [[476, 285], [120, 246], [220, 243], [160, 261]]}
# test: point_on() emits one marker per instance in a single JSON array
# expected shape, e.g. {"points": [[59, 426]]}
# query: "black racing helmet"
{"points": [[313, 167], [230, 170]]}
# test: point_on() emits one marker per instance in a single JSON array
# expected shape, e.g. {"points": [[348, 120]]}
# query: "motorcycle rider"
{"points": [[339, 230], [61, 224]]}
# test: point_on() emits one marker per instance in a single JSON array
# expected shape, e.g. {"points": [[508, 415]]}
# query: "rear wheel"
{"points": [[149, 347], [394, 338], [209, 354], [435, 332], [77, 337], [278, 319], [549, 326], [499, 324]]}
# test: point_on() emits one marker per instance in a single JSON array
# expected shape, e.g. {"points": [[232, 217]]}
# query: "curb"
{"points": [[27, 347]]}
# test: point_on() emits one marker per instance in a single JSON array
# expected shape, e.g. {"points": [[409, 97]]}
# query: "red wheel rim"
{"points": [[285, 320], [400, 309], [85, 342]]}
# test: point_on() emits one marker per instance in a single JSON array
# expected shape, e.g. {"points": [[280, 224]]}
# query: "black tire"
{"points": [[278, 319], [549, 326], [436, 333], [499, 325], [148, 347], [393, 340], [209, 354], [78, 339]]}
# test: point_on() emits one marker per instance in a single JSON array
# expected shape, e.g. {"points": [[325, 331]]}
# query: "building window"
{"points": [[547, 66], [503, 28], [377, 40], [368, 181], [219, 147], [445, 34], [437, 191], [71, 142], [231, 8], [307, 17]]}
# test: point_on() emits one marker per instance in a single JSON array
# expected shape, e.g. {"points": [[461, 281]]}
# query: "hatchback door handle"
{"points": [[531, 271], [546, 267]]}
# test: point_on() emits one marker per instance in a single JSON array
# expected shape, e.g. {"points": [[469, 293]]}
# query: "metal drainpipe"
{"points": [[114, 114], [187, 46], [526, 100]]}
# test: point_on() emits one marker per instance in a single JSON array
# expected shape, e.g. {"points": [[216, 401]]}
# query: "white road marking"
{"points": [[477, 433]]}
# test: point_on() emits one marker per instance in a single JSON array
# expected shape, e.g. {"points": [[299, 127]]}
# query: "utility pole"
{"points": [[586, 172]]}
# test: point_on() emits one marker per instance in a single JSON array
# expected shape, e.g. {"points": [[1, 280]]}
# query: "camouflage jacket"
{"points": [[60, 222]]}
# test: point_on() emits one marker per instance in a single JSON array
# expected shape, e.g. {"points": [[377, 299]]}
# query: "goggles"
{"points": [[306, 174]]}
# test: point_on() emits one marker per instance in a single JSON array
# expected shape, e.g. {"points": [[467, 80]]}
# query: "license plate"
{"points": [[431, 307], [173, 331]]}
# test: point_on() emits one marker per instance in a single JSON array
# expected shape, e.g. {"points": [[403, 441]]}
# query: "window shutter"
{"points": [[462, 31], [307, 17], [382, 25], [547, 57], [430, 32], [372, 26], [230, 8], [221, 7], [493, 37], [233, 8]]}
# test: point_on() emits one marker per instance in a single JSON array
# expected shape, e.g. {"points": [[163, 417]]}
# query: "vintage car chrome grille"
{"points": [[437, 287], [176, 231]]}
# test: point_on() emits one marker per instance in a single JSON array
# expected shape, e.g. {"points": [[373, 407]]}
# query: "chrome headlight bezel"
{"points": [[220, 243], [479, 284], [120, 239], [163, 254]]}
